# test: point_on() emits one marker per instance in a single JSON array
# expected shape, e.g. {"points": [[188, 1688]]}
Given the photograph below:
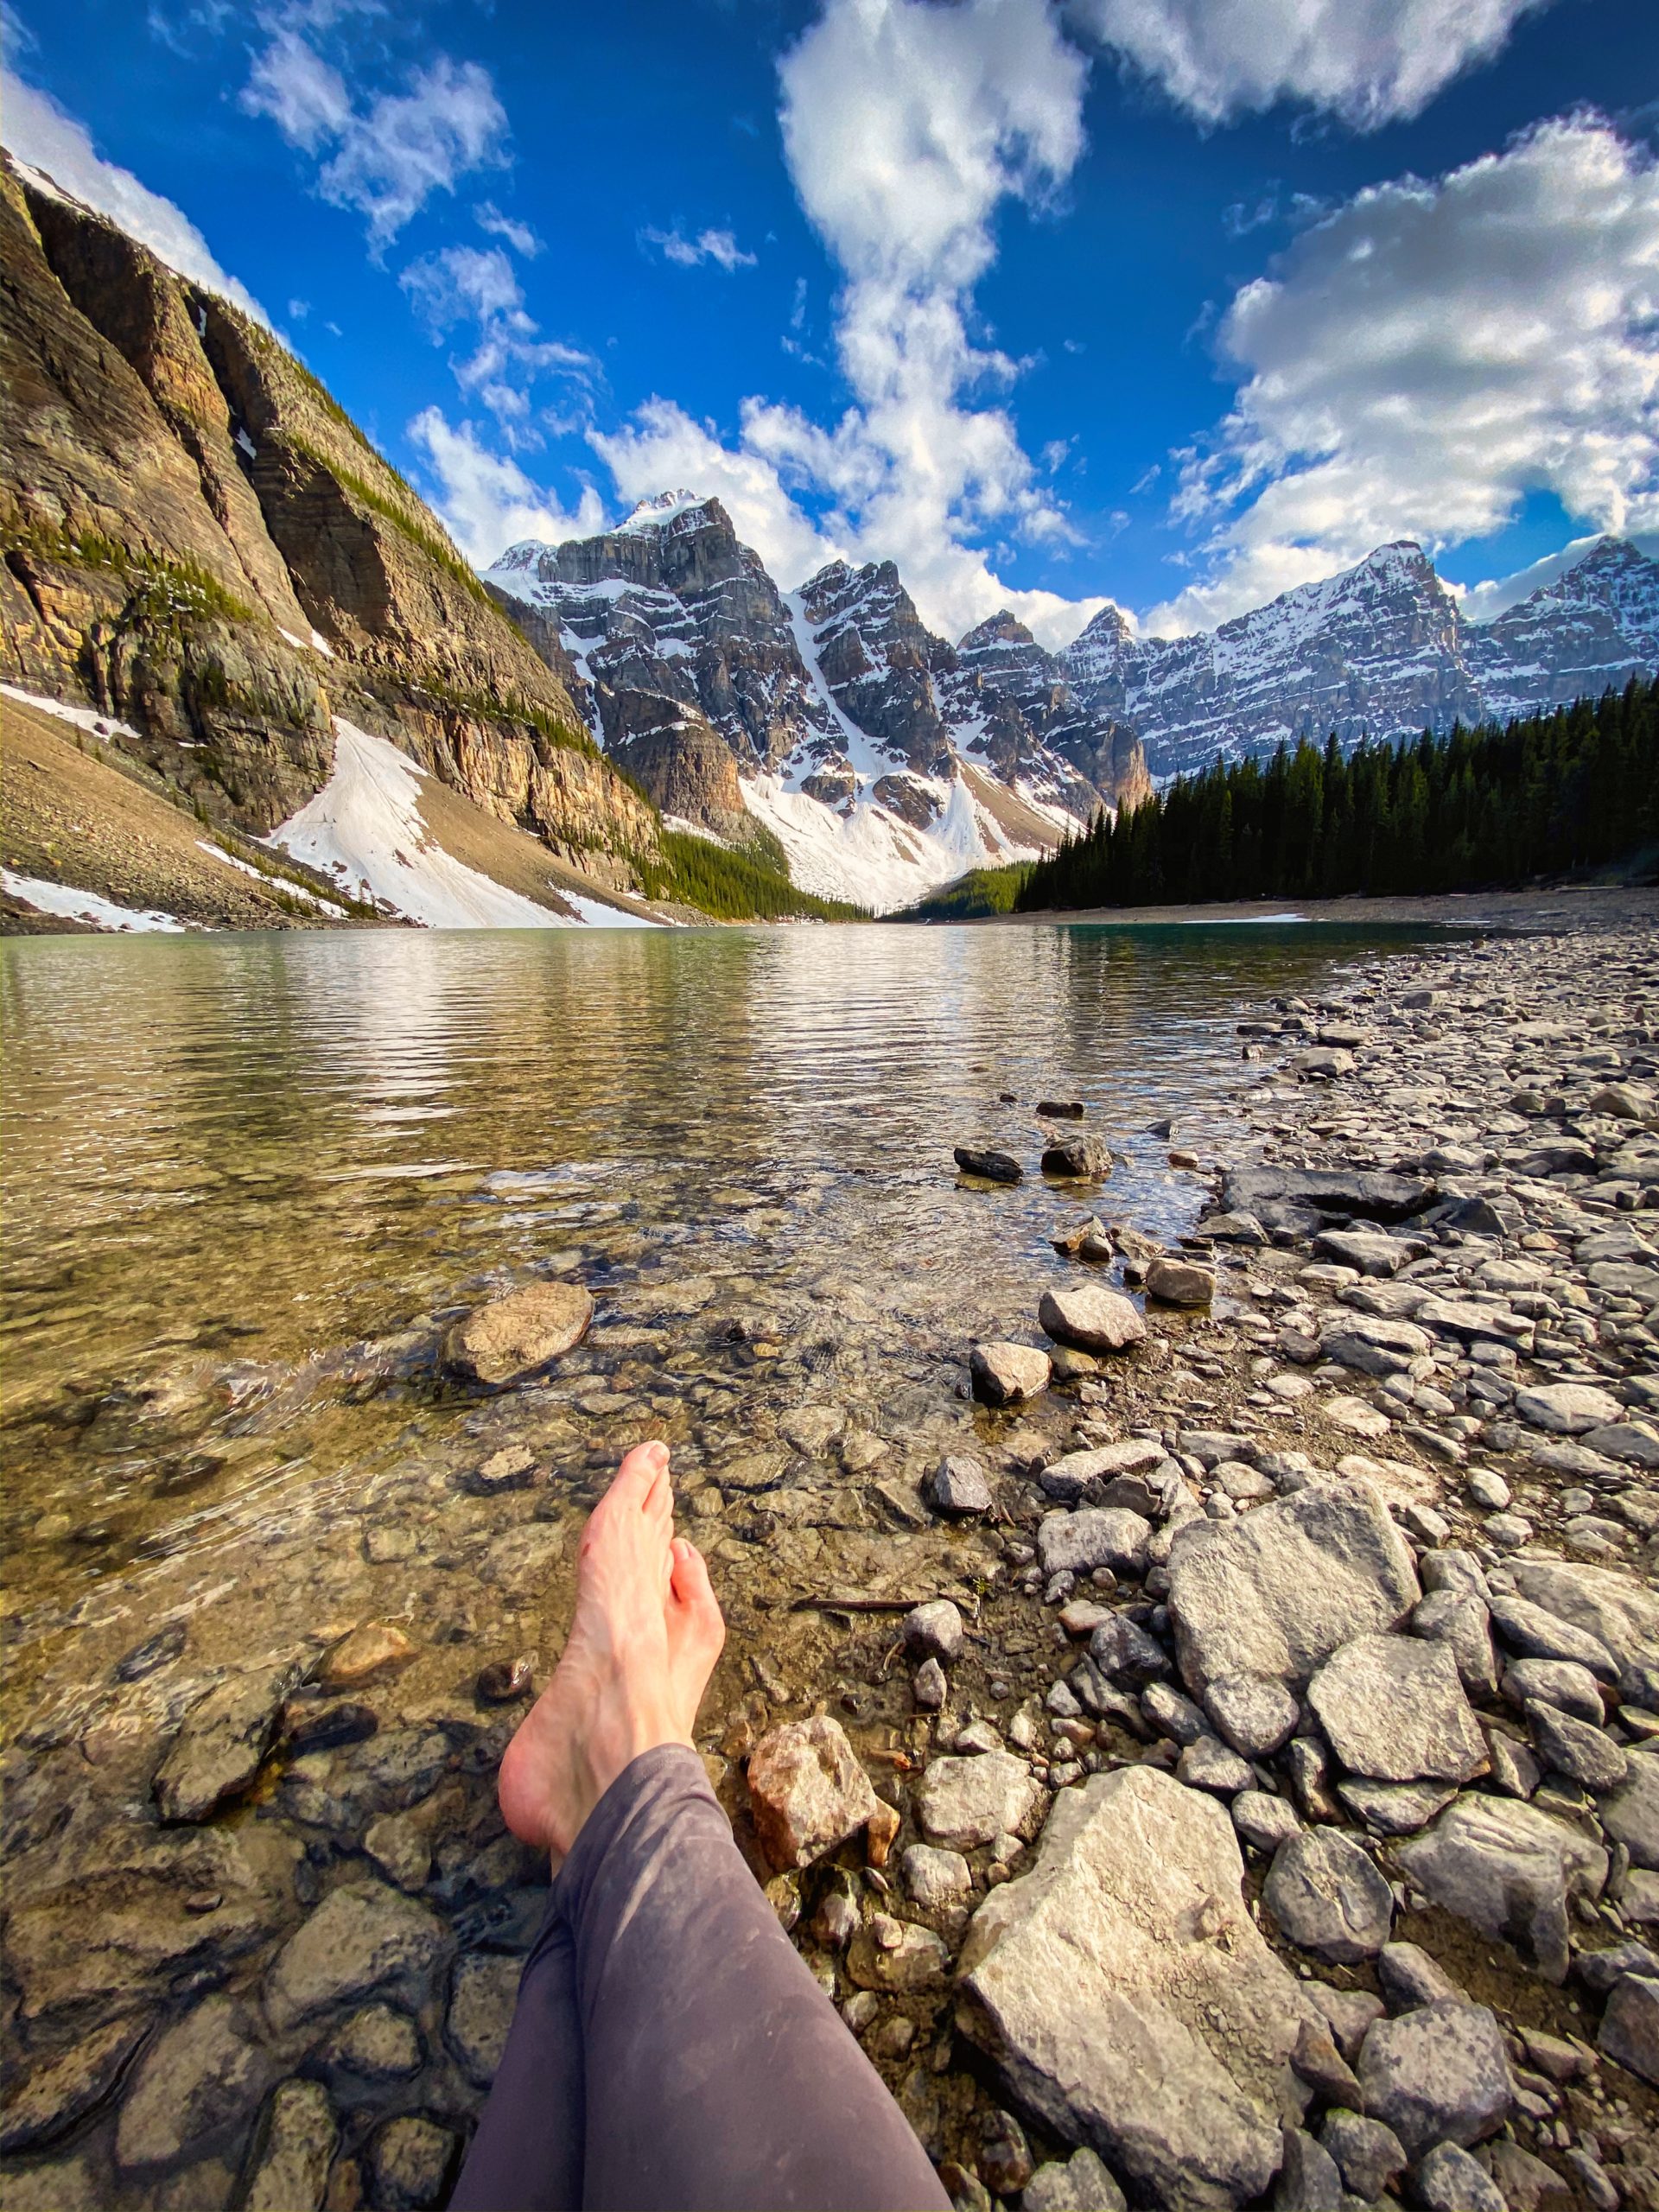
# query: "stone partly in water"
{"points": [[197, 2083], [1394, 1709], [365, 1652], [1163, 2041], [224, 1738], [411, 2160], [48, 2102], [1093, 1319], [482, 1995], [290, 2171], [807, 1790], [1277, 1592], [1081, 1159], [516, 1336], [990, 1166], [362, 1937], [1006, 1374], [959, 1486], [1509, 1871]]}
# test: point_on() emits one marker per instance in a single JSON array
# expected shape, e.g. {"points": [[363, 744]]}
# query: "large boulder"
{"points": [[1278, 1591], [1509, 1871], [516, 1336], [1325, 1190], [1096, 1536], [1394, 1709], [1128, 1999]]}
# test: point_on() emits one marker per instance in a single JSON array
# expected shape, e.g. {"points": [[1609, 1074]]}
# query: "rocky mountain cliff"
{"points": [[198, 542], [884, 760], [1380, 650]]}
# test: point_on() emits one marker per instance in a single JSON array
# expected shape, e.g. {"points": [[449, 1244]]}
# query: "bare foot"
{"points": [[644, 1643]]}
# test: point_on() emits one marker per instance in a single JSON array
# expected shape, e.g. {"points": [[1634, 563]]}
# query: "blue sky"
{"points": [[1176, 302]]}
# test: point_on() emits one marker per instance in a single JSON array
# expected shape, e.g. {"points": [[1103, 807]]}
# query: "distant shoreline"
{"points": [[1467, 910]]}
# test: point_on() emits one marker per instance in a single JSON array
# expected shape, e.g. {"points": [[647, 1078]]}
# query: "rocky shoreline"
{"points": [[1231, 1776]]}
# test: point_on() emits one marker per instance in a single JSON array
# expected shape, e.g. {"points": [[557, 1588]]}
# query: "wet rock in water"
{"points": [[221, 1742], [959, 1486], [1328, 1898], [936, 1879], [1081, 2184], [1509, 1871], [962, 1802], [515, 1337], [1368, 2155], [1393, 1710], [503, 1681], [197, 2083], [1095, 1535], [1275, 1592], [1585, 1754], [299, 2138], [896, 1955], [514, 1467], [1256, 1714], [1006, 1374], [934, 1631], [49, 2100], [1164, 2042], [362, 1937], [1061, 1110], [1264, 1822], [366, 1651], [401, 1849], [151, 1655], [1449, 2180], [1629, 2026], [989, 1165], [379, 2042], [1081, 1159], [1093, 1319], [482, 1993], [807, 1790], [411, 2160], [310, 1724], [1630, 1814], [1438, 2074], [1179, 1282]]}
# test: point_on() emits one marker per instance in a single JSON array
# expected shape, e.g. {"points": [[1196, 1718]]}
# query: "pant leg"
{"points": [[719, 2077], [526, 2156]]}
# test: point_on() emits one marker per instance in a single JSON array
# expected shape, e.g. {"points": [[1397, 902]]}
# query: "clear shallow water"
{"points": [[245, 1178]]}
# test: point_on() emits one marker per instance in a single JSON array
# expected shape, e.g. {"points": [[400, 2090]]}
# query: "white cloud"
{"points": [[488, 502], [40, 133], [1369, 62], [518, 235], [479, 285], [1483, 602], [1424, 358], [387, 155], [719, 247]]}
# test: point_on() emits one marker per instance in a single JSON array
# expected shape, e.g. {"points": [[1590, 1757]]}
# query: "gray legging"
{"points": [[670, 2052]]}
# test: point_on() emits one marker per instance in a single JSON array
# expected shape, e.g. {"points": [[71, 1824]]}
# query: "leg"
{"points": [[526, 2156]]}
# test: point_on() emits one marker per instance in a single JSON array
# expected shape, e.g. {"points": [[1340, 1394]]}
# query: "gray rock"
{"points": [[1264, 1822], [896, 1955], [1409, 1977], [291, 2171], [1348, 2014], [989, 1164], [1438, 2074], [1377, 1347], [1275, 1592], [1328, 1898], [963, 1802], [1095, 1535], [197, 2083], [1630, 1814], [1459, 1619], [1124, 1651], [411, 2160], [515, 1337], [482, 1993], [1368, 2154], [221, 1742], [1395, 1808], [959, 1486], [934, 1631], [1369, 1250], [1091, 1317], [1620, 1613], [929, 1686], [1394, 1709], [1257, 1715], [1164, 2042], [1584, 1754], [1177, 1282], [379, 2042], [1082, 2184], [1006, 1374], [361, 1938], [937, 1880], [1560, 1682], [49, 2100], [1449, 2180], [1173, 1715], [401, 1848], [807, 1792], [1084, 1159], [1329, 1190], [1524, 2180], [1539, 1633], [1567, 1409], [1309, 2180], [1629, 2026], [1208, 1764], [1509, 1871]]}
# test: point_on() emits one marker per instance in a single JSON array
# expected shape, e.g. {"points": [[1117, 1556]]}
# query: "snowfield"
{"points": [[364, 829], [74, 906]]}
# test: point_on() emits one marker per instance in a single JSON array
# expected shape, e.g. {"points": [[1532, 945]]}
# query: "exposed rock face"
{"points": [[182, 505], [1163, 2037], [1024, 696], [1380, 650]]}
